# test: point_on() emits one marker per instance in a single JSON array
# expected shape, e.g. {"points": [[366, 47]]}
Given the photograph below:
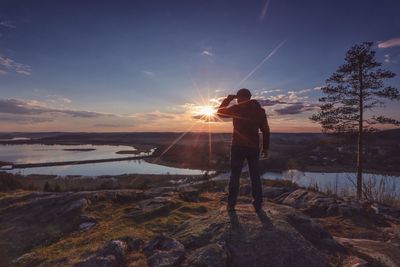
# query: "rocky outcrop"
{"points": [[35, 219], [269, 238], [295, 228]]}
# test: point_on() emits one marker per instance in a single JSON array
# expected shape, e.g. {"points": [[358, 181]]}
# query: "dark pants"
{"points": [[238, 155]]}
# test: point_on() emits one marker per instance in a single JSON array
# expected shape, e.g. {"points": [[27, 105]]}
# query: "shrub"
{"points": [[9, 182]]}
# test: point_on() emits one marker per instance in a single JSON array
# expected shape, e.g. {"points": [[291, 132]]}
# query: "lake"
{"points": [[36, 153], [340, 182]]}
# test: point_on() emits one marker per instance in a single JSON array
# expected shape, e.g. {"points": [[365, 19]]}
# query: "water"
{"points": [[33, 153], [108, 168], [36, 153], [338, 182], [334, 180]]}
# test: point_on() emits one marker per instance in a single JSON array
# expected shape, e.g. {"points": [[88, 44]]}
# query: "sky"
{"points": [[110, 66]]}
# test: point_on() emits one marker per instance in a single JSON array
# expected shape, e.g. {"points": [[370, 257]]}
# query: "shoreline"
{"points": [[159, 161]]}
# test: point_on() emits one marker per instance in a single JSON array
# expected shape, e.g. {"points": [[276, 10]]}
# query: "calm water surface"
{"points": [[36, 153], [50, 153]]}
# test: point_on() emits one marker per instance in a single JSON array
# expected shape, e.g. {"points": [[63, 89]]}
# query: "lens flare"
{"points": [[207, 111]]}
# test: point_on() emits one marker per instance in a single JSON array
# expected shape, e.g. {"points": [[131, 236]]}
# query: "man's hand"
{"points": [[231, 97]]}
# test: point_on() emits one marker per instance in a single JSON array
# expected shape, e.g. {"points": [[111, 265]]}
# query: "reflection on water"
{"points": [[36, 153], [335, 181], [108, 168]]}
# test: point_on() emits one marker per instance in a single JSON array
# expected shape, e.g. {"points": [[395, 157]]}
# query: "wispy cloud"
{"points": [[33, 107], [149, 73], [7, 24], [111, 125], [152, 116], [389, 43], [17, 119], [9, 64], [388, 59], [207, 52], [264, 10], [296, 108], [291, 103]]}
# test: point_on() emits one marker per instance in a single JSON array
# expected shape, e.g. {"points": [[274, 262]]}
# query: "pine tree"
{"points": [[355, 88]]}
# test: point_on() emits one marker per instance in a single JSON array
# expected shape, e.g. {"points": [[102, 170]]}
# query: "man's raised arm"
{"points": [[223, 110]]}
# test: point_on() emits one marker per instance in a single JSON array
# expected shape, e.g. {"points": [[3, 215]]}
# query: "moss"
{"points": [[111, 224]]}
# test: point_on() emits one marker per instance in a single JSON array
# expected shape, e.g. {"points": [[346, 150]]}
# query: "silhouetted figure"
{"points": [[248, 118]]}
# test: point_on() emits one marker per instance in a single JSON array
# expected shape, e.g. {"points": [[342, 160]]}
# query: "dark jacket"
{"points": [[248, 118]]}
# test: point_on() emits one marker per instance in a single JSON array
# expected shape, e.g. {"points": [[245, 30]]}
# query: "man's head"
{"points": [[243, 95]]}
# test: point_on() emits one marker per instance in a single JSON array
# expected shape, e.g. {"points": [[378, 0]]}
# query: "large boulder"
{"points": [[30, 220], [164, 251], [278, 236], [111, 255]]}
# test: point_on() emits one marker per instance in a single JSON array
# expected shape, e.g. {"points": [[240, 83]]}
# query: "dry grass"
{"points": [[111, 224]]}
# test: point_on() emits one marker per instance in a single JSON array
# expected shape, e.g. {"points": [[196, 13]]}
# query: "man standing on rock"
{"points": [[248, 118]]}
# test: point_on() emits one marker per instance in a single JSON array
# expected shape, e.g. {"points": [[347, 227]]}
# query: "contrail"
{"points": [[264, 10], [262, 62]]}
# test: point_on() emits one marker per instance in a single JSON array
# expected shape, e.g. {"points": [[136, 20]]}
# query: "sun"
{"points": [[205, 112], [208, 111]]}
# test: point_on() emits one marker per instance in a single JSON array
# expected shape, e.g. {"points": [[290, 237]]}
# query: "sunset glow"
{"points": [[140, 70], [206, 111]]}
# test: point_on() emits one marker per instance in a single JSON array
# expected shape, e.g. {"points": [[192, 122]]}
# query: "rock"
{"points": [[159, 191], [120, 196], [117, 248], [36, 219], [354, 261], [380, 252], [387, 211], [111, 255], [151, 208], [272, 192], [245, 190], [189, 194], [314, 233], [212, 255], [255, 240], [317, 204], [133, 244], [164, 251], [86, 226]]}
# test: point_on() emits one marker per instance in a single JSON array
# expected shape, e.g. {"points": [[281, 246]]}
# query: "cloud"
{"points": [[389, 43], [152, 116], [207, 52], [111, 125], [17, 119], [388, 59], [33, 107], [293, 102], [12, 65], [149, 73], [270, 102], [7, 24], [296, 108]]}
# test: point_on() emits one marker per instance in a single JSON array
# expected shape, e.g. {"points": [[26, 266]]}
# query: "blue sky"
{"points": [[147, 65]]}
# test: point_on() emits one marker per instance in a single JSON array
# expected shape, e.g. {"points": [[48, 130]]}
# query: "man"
{"points": [[248, 118]]}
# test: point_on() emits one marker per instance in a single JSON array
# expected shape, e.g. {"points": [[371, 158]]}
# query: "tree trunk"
{"points": [[360, 134], [360, 159]]}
